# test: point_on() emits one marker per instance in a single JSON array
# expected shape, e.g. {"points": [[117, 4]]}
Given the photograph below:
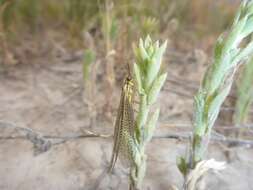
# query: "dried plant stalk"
{"points": [[109, 29], [89, 80]]}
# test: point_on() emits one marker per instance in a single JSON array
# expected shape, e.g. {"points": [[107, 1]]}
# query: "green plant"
{"points": [[29, 11], [4, 23], [79, 14], [20, 13], [150, 25], [228, 55], [7, 12], [109, 22], [149, 81], [131, 134], [88, 58], [89, 80], [245, 94]]}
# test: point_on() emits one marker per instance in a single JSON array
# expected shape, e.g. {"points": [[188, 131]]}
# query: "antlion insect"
{"points": [[124, 145], [124, 125], [131, 134], [123, 139]]}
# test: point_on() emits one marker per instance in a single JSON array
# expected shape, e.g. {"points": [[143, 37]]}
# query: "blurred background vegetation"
{"points": [[35, 31], [118, 22]]}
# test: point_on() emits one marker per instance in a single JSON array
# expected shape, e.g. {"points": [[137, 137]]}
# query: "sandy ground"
{"points": [[47, 98]]}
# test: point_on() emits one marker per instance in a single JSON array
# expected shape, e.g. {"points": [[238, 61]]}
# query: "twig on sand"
{"points": [[43, 142]]}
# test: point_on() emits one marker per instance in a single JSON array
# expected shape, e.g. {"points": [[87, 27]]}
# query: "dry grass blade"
{"points": [[201, 168]]}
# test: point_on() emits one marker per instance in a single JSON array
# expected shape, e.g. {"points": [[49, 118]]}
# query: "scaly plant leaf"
{"points": [[245, 94], [151, 125]]}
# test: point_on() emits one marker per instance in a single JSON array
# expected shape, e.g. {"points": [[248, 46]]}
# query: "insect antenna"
{"points": [[129, 70]]}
